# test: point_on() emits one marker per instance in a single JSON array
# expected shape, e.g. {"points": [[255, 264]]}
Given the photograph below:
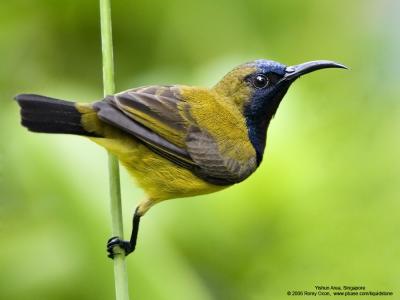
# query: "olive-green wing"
{"points": [[161, 118], [157, 108], [217, 166]]}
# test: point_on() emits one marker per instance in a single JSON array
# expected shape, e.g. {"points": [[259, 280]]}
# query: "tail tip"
{"points": [[19, 97], [22, 97]]}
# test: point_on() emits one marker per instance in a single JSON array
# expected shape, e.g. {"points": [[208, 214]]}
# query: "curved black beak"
{"points": [[294, 72]]}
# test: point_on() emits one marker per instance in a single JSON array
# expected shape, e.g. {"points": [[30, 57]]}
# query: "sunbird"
{"points": [[177, 140]]}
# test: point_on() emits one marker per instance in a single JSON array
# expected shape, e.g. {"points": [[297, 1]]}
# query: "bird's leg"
{"points": [[129, 246]]}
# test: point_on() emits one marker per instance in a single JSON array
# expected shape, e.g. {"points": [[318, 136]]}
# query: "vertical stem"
{"points": [[120, 273]]}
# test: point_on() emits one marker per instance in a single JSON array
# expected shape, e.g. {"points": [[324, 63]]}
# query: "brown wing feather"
{"points": [[162, 119], [156, 107], [113, 116], [204, 151]]}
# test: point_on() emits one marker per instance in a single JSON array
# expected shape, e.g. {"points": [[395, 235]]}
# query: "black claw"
{"points": [[115, 245]]}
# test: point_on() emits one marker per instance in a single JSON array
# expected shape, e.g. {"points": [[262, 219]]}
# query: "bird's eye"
{"points": [[260, 81]]}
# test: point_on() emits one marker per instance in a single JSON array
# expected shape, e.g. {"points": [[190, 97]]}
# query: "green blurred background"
{"points": [[323, 208]]}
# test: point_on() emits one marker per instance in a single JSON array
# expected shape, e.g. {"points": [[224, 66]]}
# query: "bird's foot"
{"points": [[117, 246]]}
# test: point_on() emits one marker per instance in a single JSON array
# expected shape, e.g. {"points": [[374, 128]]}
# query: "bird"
{"points": [[177, 140]]}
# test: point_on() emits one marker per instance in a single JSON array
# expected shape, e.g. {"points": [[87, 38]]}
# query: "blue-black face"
{"points": [[269, 84], [267, 88]]}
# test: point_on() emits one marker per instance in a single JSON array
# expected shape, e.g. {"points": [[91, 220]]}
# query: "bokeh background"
{"points": [[323, 208]]}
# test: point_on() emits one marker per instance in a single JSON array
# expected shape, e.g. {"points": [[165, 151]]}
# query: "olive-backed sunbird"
{"points": [[177, 140]]}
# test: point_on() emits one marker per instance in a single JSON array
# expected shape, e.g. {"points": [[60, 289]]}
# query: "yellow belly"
{"points": [[158, 177]]}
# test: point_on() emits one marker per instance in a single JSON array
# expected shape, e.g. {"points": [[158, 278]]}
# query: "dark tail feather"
{"points": [[44, 114]]}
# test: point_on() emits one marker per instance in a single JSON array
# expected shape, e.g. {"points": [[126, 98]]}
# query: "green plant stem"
{"points": [[120, 273]]}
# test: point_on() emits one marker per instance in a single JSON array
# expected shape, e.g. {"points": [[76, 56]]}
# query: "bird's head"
{"points": [[257, 89]]}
